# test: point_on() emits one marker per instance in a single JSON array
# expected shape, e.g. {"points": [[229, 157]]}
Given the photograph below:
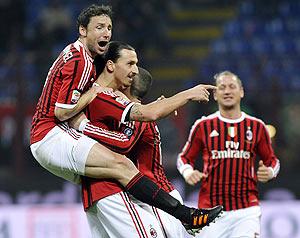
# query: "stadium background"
{"points": [[182, 43]]}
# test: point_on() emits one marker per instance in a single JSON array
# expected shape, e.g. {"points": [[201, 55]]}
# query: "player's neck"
{"points": [[234, 113], [106, 80], [82, 40], [126, 92]]}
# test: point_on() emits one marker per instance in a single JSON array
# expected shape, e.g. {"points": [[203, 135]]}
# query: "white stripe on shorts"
{"points": [[134, 215]]}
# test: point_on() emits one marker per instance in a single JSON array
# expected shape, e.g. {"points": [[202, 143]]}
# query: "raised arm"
{"points": [[162, 108]]}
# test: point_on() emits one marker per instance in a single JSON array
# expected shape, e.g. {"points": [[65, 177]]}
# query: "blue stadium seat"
{"points": [[275, 27], [261, 45], [232, 28]]}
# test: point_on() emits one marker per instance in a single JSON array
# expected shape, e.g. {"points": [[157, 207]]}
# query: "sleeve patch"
{"points": [[75, 96], [128, 132]]}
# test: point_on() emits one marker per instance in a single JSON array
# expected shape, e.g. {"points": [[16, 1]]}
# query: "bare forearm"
{"points": [[63, 114], [159, 109], [163, 108]]}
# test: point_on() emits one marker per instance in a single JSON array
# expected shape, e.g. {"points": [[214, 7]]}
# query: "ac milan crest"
{"points": [[249, 134], [153, 232]]}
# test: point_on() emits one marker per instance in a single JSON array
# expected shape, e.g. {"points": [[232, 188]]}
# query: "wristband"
{"points": [[272, 170], [187, 172], [83, 124]]}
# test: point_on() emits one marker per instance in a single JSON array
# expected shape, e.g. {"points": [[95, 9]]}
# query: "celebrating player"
{"points": [[120, 59], [68, 89], [141, 142], [229, 141]]}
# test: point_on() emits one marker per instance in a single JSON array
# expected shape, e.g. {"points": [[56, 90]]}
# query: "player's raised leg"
{"points": [[113, 165]]}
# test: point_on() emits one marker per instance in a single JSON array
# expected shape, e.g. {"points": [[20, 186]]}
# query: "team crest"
{"points": [[232, 131], [249, 134], [122, 101], [153, 232], [75, 96]]}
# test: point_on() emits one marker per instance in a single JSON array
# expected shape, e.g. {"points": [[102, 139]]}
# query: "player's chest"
{"points": [[236, 136]]}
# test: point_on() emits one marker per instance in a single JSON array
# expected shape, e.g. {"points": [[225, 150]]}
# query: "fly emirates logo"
{"points": [[232, 151]]}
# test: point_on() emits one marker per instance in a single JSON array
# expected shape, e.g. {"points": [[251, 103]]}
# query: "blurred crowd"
{"points": [[35, 31]]}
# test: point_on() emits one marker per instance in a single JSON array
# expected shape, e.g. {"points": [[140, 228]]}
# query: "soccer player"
{"points": [[120, 58], [140, 141], [229, 141], [68, 89]]}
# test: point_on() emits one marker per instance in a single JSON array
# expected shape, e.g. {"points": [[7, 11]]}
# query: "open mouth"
{"points": [[102, 43]]}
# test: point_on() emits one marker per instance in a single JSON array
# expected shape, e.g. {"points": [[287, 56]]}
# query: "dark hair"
{"points": [[112, 52], [99, 64], [92, 11], [141, 84]]}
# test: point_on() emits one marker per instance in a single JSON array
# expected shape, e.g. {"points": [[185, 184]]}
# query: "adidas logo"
{"points": [[213, 133]]}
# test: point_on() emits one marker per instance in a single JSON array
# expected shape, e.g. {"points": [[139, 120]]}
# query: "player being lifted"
{"points": [[68, 89]]}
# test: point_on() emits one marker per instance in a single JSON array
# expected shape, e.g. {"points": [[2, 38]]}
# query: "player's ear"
{"points": [[82, 30], [242, 93], [110, 66], [215, 95]]}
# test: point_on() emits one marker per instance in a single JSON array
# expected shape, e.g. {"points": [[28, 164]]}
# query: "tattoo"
{"points": [[136, 114]]}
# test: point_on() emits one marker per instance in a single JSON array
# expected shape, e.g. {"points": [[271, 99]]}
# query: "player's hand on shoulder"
{"points": [[96, 88], [92, 93], [192, 177], [264, 173], [201, 92], [120, 94]]}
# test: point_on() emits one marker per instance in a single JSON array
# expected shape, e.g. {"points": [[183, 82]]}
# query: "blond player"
{"points": [[228, 141]]}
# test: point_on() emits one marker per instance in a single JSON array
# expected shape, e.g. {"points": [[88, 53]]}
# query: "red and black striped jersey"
{"points": [[229, 149], [71, 74], [148, 156], [139, 141]]}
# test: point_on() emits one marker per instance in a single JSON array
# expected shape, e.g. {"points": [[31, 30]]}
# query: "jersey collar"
{"points": [[79, 46], [230, 120]]}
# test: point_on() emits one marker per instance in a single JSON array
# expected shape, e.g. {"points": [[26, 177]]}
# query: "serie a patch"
{"points": [[75, 96]]}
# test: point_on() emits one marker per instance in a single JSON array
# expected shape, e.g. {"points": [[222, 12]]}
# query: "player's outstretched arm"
{"points": [[162, 108]]}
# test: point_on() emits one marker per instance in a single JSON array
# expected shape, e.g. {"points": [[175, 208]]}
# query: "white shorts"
{"points": [[122, 216], [171, 226], [241, 223], [63, 152]]}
